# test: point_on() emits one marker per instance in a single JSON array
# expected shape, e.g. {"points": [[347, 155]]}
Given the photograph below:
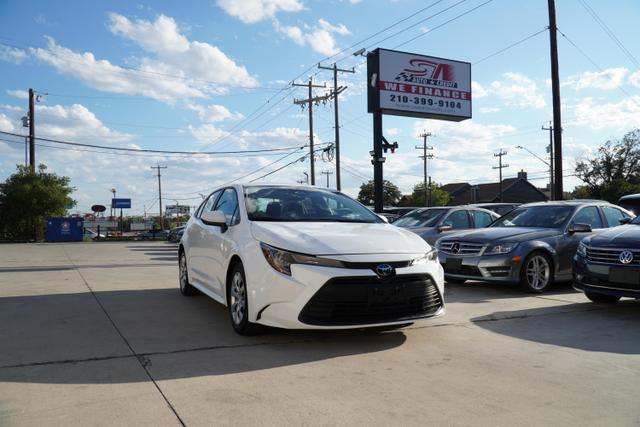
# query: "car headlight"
{"points": [[582, 249], [432, 255], [281, 260], [502, 248]]}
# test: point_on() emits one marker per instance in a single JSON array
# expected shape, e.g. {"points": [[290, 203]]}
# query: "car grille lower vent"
{"points": [[366, 300]]}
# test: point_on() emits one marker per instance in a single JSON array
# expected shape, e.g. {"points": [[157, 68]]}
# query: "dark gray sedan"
{"points": [[532, 245], [434, 223]]}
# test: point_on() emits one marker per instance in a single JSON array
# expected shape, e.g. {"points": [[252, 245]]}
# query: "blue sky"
{"points": [[164, 76]]}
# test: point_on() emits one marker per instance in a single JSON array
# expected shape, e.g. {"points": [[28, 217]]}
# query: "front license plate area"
{"points": [[387, 295], [625, 276], [453, 265]]}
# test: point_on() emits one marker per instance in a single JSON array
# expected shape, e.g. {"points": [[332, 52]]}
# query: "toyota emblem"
{"points": [[626, 257], [455, 248], [384, 270]]}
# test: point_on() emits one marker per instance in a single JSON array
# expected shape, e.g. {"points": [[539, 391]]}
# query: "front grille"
{"points": [[465, 248], [611, 255], [349, 301]]}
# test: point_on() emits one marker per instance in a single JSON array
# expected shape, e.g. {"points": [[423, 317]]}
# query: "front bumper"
{"points": [[489, 268], [340, 298], [594, 278]]}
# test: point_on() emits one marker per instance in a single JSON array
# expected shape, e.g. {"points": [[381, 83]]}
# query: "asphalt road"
{"points": [[98, 334]]}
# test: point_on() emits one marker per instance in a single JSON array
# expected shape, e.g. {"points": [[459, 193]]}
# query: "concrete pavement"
{"points": [[98, 334]]}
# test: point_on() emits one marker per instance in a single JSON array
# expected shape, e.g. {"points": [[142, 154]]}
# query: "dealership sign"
{"points": [[406, 84]]}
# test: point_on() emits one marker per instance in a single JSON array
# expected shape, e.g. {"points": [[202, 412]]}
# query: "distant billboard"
{"points": [[407, 84], [121, 203]]}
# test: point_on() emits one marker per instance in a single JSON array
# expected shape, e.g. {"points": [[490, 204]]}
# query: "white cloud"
{"points": [[12, 54], [609, 79], [517, 90], [252, 11], [20, 94], [595, 114], [392, 131], [214, 113], [477, 90], [486, 110], [178, 68], [6, 125], [75, 122], [634, 79], [320, 37]]}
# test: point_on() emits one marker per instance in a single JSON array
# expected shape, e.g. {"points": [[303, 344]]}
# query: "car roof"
{"points": [[575, 202], [630, 197]]}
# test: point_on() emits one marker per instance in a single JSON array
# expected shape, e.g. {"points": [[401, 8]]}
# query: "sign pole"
{"points": [[378, 160]]}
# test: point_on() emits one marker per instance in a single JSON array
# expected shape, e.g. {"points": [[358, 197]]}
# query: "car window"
{"points": [[208, 207], [613, 215], [421, 218], [228, 204], [457, 220], [588, 215], [481, 219]]}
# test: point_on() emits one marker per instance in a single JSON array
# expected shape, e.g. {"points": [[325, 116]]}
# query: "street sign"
{"points": [[121, 203], [407, 84]]}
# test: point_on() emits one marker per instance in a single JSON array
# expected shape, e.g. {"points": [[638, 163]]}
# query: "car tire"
{"points": [[238, 303], [183, 276], [602, 298], [536, 273], [455, 281]]}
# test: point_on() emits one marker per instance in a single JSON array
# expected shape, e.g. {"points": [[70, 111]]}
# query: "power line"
{"points": [[510, 46]]}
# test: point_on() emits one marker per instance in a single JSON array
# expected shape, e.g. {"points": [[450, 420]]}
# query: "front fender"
{"points": [[537, 245]]}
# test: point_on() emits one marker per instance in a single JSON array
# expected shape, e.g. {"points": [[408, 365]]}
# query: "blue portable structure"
{"points": [[63, 229]]}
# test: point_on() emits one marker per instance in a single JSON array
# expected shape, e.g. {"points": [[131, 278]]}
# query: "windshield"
{"points": [[304, 204], [636, 220], [536, 217], [420, 218]]}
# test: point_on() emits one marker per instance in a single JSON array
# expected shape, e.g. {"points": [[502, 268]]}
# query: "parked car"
{"points": [[175, 234], [400, 211], [499, 208], [532, 245], [152, 235], [630, 202], [89, 234], [607, 265], [307, 258], [434, 223]]}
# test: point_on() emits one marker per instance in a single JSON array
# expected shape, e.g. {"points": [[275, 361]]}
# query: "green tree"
{"points": [[391, 193], [615, 170], [439, 197], [27, 198]]}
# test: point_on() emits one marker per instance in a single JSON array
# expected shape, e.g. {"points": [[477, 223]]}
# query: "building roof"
{"points": [[512, 188]]}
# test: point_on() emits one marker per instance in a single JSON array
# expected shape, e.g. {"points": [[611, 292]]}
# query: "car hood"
{"points": [[511, 234], [421, 230], [338, 238], [624, 236]]}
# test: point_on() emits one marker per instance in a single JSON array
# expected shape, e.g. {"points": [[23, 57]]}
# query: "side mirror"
{"points": [[215, 218], [625, 221], [580, 228], [444, 227]]}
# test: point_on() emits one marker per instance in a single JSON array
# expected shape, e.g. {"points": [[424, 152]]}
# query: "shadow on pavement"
{"points": [[585, 326], [66, 339], [482, 292]]}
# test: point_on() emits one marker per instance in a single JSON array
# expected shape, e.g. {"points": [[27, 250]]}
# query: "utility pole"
{"points": [[158, 167], [310, 100], [425, 157], [32, 132], [551, 172], [500, 167], [336, 92], [555, 88], [306, 177], [327, 173]]}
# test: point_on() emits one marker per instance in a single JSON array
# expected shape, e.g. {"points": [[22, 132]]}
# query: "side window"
{"points": [[589, 215], [228, 203], [457, 220], [613, 215], [481, 219], [208, 207]]}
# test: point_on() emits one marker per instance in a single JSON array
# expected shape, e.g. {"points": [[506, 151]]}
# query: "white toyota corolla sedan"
{"points": [[306, 258]]}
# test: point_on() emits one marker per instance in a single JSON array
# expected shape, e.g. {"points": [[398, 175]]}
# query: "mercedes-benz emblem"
{"points": [[455, 248], [626, 257], [384, 270]]}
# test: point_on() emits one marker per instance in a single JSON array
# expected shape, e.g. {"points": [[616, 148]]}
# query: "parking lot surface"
{"points": [[98, 334]]}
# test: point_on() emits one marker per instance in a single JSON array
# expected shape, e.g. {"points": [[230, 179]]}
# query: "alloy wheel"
{"points": [[238, 298], [538, 272]]}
